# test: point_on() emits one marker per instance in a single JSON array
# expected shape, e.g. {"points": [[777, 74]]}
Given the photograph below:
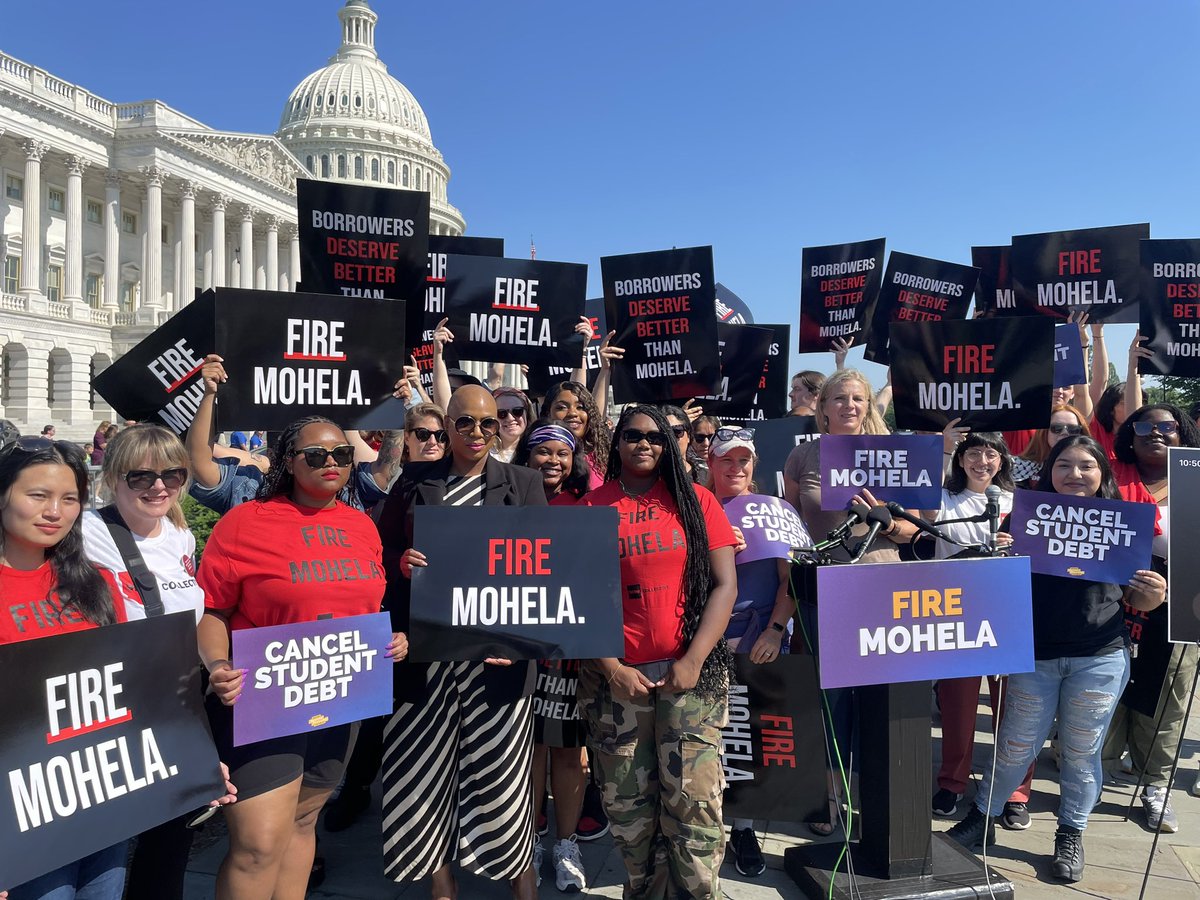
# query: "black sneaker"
{"points": [[945, 803], [747, 856], [593, 823], [970, 831], [1015, 816], [343, 812], [1067, 864]]}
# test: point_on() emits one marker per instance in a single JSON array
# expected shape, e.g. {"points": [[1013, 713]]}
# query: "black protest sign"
{"points": [[1183, 576], [773, 735], [159, 379], [293, 355], [994, 293], [102, 740], [770, 399], [1070, 362], [662, 305], [540, 378], [918, 289], [732, 309], [361, 241], [838, 288], [774, 441], [994, 374], [515, 310], [744, 351], [530, 594], [1170, 307], [1092, 270]]}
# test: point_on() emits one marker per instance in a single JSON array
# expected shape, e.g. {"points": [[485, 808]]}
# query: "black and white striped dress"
{"points": [[456, 771]]}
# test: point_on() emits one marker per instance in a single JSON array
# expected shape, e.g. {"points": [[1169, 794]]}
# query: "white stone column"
{"points": [[219, 202], [294, 256], [272, 253], [152, 267], [187, 246], [205, 232], [31, 220], [246, 252], [73, 288], [112, 240]]}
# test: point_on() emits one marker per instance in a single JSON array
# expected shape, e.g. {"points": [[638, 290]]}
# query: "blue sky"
{"points": [[759, 128]]}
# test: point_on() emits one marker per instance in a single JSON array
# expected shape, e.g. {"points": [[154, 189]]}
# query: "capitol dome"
{"points": [[351, 121]]}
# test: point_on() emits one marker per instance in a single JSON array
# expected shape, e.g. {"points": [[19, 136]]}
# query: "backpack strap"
{"points": [[143, 579]]}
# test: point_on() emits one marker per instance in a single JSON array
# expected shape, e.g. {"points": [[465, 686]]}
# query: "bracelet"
{"points": [[619, 667]]}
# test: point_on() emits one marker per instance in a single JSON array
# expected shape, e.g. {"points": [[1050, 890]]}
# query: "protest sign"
{"points": [[770, 526], [539, 378], [918, 289], [996, 374], [1092, 270], [102, 740], [528, 595], [1070, 364], [994, 293], [362, 241], [662, 306], [744, 351], [913, 621], [1183, 577], [773, 734], [1170, 307], [159, 379], [839, 284], [311, 675], [291, 355], [906, 468], [771, 397], [732, 309], [774, 441], [1082, 537]]}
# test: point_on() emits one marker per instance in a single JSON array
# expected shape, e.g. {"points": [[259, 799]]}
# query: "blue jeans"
{"points": [[100, 876], [1083, 692]]}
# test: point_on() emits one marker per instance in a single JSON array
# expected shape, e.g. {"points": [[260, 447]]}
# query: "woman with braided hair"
{"points": [[573, 405], [654, 717]]}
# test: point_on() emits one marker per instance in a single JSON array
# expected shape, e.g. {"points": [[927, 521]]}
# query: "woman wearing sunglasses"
{"points": [[1065, 421], [654, 716], [1160, 673], [457, 751], [425, 436], [515, 412], [267, 563], [681, 427]]}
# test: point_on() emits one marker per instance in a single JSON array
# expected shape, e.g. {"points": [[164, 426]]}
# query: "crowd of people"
{"points": [[467, 757]]}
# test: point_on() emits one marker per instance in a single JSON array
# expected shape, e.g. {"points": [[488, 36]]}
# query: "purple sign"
{"points": [[1082, 537], [770, 526], [311, 675], [1070, 368], [906, 468], [917, 621]]}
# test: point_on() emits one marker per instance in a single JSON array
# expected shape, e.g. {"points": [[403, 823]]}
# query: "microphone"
{"points": [[878, 518], [992, 511], [901, 513], [858, 513]]}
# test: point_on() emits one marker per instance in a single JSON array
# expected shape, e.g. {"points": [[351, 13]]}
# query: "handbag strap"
{"points": [[143, 579]]}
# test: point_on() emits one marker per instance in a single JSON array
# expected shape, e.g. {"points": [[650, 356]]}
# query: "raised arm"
{"points": [[1133, 381], [1098, 381], [199, 436], [441, 378]]}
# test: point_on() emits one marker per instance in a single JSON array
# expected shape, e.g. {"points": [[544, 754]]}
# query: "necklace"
{"points": [[634, 494]]}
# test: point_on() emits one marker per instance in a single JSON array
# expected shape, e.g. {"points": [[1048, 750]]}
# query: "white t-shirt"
{"points": [[960, 506], [170, 555]]}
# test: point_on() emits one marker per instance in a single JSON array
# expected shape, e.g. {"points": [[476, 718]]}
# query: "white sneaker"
{"points": [[539, 853], [1159, 814], [568, 866]]}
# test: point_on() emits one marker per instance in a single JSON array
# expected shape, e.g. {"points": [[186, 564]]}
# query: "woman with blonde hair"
{"points": [[425, 437]]}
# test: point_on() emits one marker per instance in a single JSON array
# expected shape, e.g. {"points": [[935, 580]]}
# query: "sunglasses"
{"points": [[424, 434], [679, 430], [1072, 430], [701, 437], [653, 438], [315, 457], [1145, 429], [488, 427], [517, 412], [741, 434], [144, 479]]}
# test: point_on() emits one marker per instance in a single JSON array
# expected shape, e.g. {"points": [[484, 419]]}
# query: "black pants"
{"points": [[367, 756], [160, 861]]}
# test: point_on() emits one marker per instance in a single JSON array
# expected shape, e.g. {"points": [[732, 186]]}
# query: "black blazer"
{"points": [[424, 484]]}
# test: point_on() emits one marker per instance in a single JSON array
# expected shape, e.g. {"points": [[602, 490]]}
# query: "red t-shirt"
{"points": [[564, 498], [1104, 438], [31, 605], [653, 554], [275, 563], [1017, 441]]}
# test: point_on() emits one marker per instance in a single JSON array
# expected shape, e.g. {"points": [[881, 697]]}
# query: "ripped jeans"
{"points": [[1083, 692]]}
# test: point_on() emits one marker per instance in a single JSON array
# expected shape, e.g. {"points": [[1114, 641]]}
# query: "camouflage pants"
{"points": [[658, 764]]}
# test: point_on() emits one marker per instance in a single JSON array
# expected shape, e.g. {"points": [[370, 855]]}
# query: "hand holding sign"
{"points": [[226, 681], [213, 373], [609, 351]]}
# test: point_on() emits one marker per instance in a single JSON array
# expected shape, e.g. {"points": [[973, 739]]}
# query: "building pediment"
{"points": [[259, 156]]}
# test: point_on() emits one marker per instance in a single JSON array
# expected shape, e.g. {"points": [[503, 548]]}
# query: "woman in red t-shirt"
{"points": [[655, 717], [266, 563]]}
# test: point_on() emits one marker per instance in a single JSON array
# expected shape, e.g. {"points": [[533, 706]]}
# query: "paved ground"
{"points": [[1116, 850]]}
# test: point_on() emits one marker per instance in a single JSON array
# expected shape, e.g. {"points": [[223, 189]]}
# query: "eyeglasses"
{"points": [[1144, 429], [315, 456], [424, 434], [1059, 428], [976, 454], [729, 434], [679, 430], [144, 479], [701, 437], [653, 438], [488, 427], [517, 412]]}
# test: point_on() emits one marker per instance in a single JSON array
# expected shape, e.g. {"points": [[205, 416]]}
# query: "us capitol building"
{"points": [[114, 214]]}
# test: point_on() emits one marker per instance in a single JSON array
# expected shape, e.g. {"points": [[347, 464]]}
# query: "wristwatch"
{"points": [[777, 626]]}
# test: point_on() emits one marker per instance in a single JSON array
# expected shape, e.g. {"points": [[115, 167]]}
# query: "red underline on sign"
{"points": [[431, 280], [69, 733], [517, 308], [183, 378], [312, 357]]}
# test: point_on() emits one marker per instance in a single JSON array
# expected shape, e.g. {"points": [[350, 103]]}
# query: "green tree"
{"points": [[200, 520]]}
